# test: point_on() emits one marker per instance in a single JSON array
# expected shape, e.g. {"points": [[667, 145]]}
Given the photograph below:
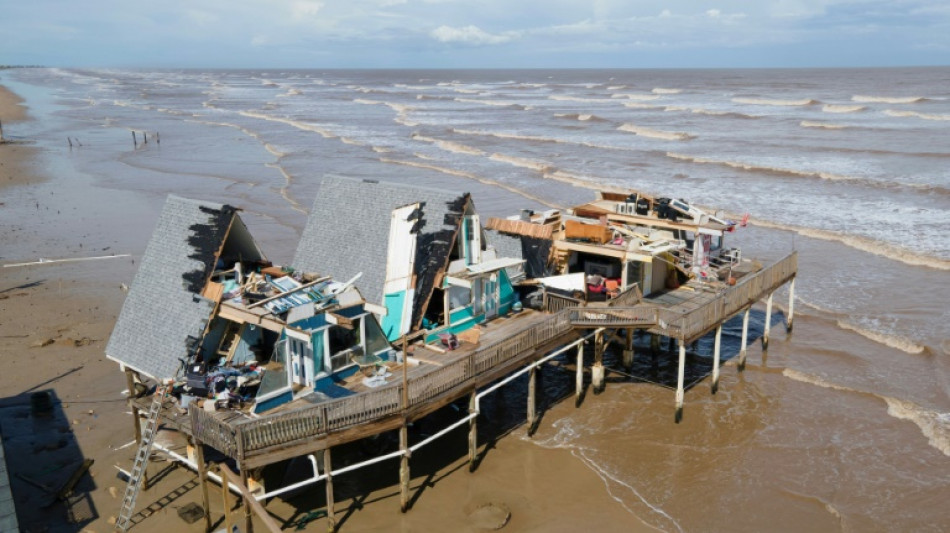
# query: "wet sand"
{"points": [[55, 320]]}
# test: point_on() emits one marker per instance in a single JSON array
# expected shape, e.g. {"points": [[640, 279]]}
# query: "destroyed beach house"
{"points": [[623, 240], [264, 364], [209, 310], [422, 252]]}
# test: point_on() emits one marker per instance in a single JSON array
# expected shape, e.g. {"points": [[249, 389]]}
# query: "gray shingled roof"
{"points": [[348, 231], [507, 246], [162, 309]]}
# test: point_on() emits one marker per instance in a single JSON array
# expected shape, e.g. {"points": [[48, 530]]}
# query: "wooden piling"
{"points": [[1, 131], [532, 388], [203, 481], [745, 338], [70, 141], [404, 468], [226, 498], [768, 322], [597, 370], [791, 305], [328, 470], [248, 522], [715, 369], [136, 419], [579, 378], [135, 141], [472, 431], [628, 350], [680, 377]]}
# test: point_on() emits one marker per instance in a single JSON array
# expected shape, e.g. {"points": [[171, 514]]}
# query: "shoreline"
{"points": [[70, 314]]}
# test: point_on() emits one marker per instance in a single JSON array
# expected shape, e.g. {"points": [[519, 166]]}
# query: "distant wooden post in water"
{"points": [[135, 141]]}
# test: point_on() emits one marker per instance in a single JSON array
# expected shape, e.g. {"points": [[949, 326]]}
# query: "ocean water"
{"points": [[843, 425]]}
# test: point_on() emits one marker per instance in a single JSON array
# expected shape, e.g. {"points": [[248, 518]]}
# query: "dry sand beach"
{"points": [[55, 320]]}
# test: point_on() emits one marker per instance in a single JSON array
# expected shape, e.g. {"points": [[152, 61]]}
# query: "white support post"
{"points": [[768, 322], [579, 382], [715, 369], [472, 431], [680, 377], [404, 468], [327, 469], [745, 338], [532, 387], [791, 304]]}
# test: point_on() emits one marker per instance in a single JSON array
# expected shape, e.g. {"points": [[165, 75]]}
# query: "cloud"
{"points": [[470, 34], [305, 9]]}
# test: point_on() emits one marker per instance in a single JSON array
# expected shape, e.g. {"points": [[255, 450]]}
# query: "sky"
{"points": [[474, 33]]}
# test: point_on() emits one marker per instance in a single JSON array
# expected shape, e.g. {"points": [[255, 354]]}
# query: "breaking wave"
{"points": [[325, 133], [888, 99], [638, 105], [865, 244], [838, 108], [494, 103], [522, 162], [449, 146], [535, 138], [580, 116], [810, 174], [915, 114], [660, 90], [935, 426], [710, 112], [469, 175], [636, 96], [773, 102], [823, 125], [656, 134], [563, 98], [892, 341]]}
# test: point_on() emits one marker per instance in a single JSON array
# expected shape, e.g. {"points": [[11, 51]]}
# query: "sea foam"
{"points": [[656, 134]]}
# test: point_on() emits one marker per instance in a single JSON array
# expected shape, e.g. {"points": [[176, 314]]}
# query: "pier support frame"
{"points": [[598, 373], [202, 468], [745, 338], [136, 420], [472, 431], [791, 305], [579, 378], [248, 522], [532, 393], [768, 322], [680, 377], [715, 368], [628, 350], [328, 470], [404, 468]]}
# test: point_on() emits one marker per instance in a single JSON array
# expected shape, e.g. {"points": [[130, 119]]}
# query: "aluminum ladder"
{"points": [[124, 521]]}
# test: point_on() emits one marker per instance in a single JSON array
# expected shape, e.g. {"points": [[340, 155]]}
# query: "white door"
{"points": [[491, 296], [301, 361]]}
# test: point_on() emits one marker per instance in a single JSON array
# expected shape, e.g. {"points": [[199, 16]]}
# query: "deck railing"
{"points": [[629, 297], [597, 317], [320, 419], [749, 290], [554, 303]]}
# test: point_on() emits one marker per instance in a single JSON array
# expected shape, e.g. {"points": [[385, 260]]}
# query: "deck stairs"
{"points": [[124, 521]]}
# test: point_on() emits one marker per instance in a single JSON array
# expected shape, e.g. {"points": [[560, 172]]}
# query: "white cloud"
{"points": [[305, 9], [470, 35], [713, 13]]}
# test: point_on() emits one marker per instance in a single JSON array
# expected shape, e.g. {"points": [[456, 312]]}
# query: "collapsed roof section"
{"points": [[348, 233], [165, 314]]}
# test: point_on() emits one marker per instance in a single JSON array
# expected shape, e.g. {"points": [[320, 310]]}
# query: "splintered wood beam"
{"points": [[256, 506]]}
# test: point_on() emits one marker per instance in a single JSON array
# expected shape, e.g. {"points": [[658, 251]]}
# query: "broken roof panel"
{"points": [[164, 311], [348, 232]]}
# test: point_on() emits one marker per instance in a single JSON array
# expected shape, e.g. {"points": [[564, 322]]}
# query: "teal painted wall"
{"points": [[394, 304]]}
